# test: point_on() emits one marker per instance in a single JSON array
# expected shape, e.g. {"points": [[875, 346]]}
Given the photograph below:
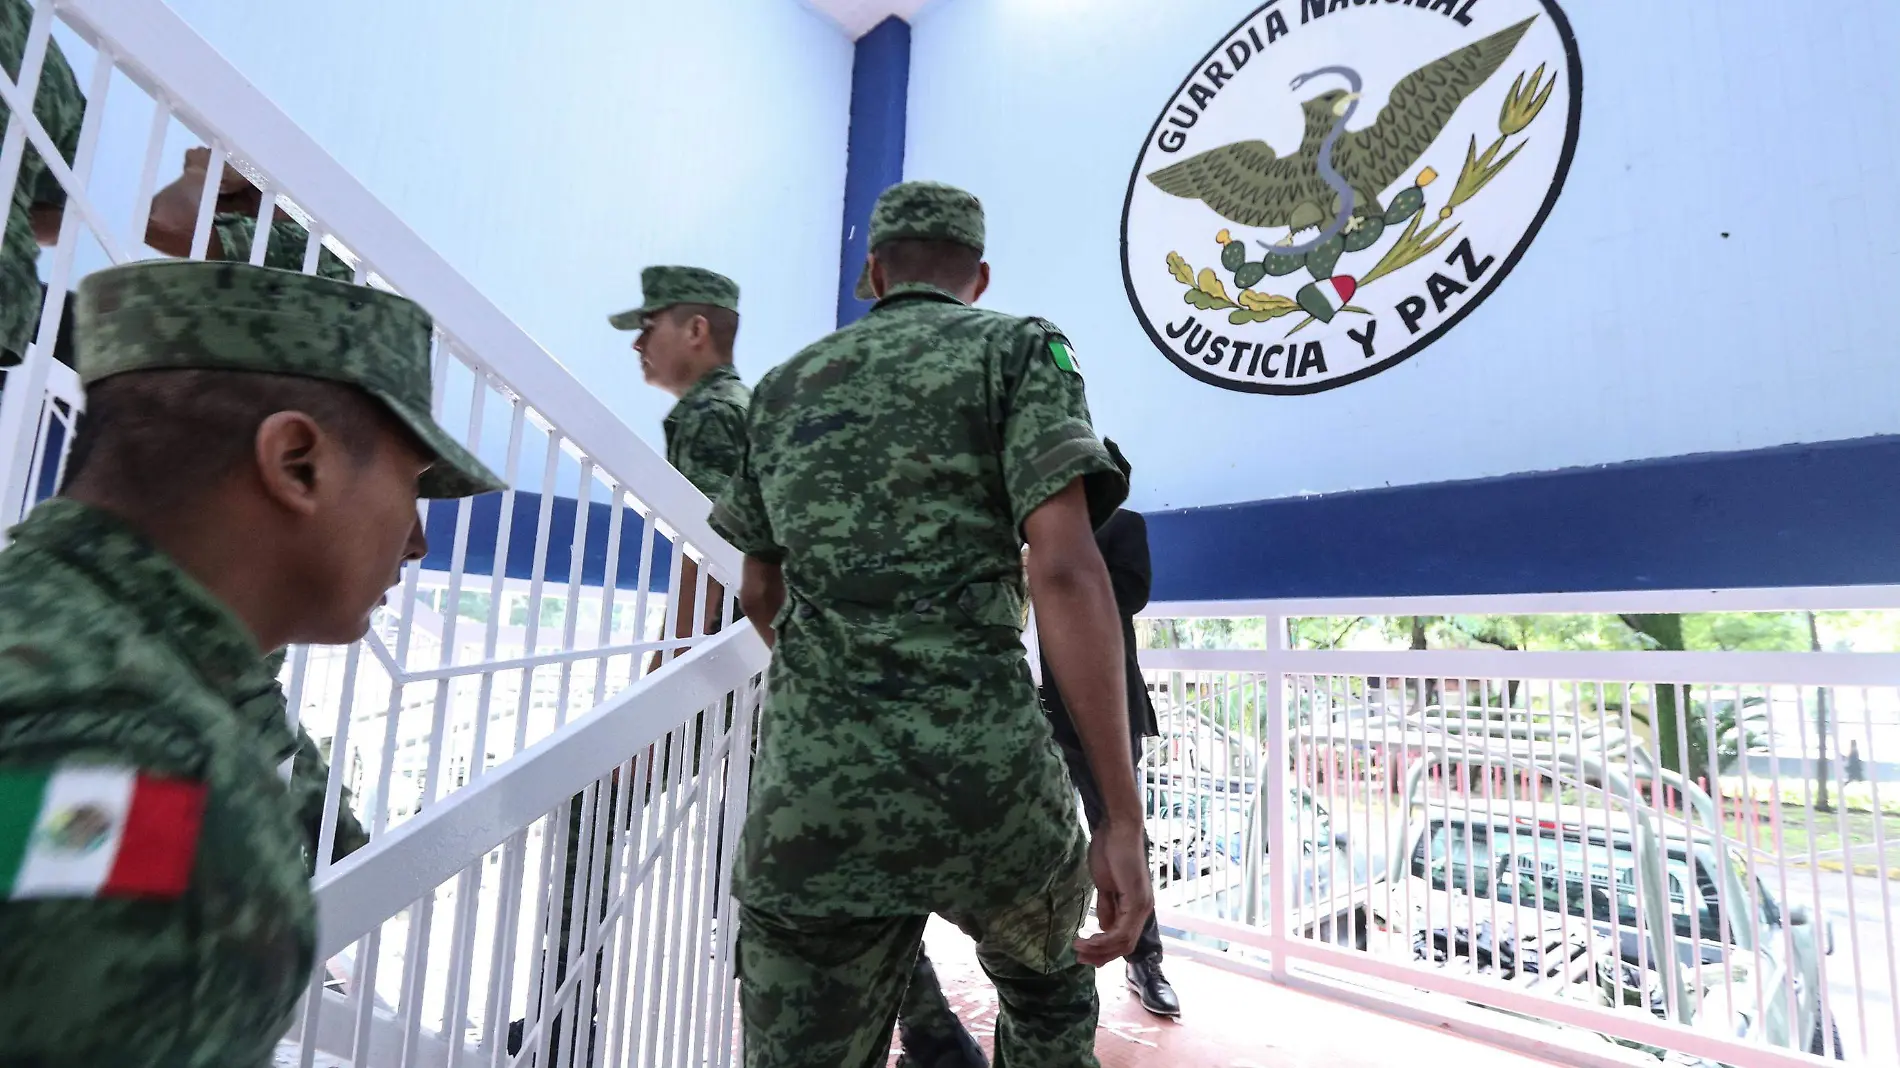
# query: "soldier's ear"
{"points": [[982, 282], [290, 453]]}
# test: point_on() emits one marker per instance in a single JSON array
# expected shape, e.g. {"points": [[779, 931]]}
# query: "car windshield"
{"points": [[1533, 867]]}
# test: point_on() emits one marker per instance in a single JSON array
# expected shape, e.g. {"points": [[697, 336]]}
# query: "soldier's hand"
{"points": [[1118, 859], [198, 161]]}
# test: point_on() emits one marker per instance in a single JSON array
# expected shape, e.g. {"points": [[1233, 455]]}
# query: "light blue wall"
{"points": [[548, 157], [1631, 329]]}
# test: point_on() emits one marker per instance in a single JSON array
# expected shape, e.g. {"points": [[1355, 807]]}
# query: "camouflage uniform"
{"points": [[309, 774], [288, 240], [59, 106], [705, 431], [904, 767], [705, 437], [111, 656]]}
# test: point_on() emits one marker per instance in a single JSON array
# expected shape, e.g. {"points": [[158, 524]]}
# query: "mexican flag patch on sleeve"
{"points": [[1064, 356], [96, 831]]}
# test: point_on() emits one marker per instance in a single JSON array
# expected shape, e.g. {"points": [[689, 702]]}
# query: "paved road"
{"points": [[1863, 928]]}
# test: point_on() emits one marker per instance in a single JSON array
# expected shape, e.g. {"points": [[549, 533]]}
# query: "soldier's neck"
{"points": [[225, 553], [686, 384]]}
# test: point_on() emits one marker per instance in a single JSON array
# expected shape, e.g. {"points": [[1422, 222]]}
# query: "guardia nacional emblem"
{"points": [[1337, 183]]}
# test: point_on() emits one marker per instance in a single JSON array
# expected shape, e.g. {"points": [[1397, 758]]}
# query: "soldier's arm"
{"points": [[709, 452], [309, 780], [1062, 484], [740, 516], [761, 595], [1082, 642], [60, 107], [309, 773], [92, 976], [174, 215]]}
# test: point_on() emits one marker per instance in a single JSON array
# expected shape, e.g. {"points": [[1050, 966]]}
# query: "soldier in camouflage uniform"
{"points": [[309, 773], [893, 472], [37, 202], [174, 219], [249, 480], [687, 321]]}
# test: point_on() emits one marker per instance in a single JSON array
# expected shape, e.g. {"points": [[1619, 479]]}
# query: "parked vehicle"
{"points": [[1658, 915]]}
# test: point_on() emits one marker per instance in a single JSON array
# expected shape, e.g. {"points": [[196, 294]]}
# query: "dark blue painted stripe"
{"points": [[880, 90], [485, 525], [1799, 515]]}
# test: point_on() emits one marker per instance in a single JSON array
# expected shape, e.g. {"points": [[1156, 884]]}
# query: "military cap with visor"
{"points": [[923, 211], [189, 315], [664, 287]]}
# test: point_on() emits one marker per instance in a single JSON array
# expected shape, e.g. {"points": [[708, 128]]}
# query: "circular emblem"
{"points": [[79, 829], [1339, 182]]}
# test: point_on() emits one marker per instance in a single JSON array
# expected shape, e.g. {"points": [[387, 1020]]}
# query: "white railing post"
{"points": [[1279, 868]]}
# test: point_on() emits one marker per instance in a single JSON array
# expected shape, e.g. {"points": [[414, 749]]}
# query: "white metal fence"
{"points": [[636, 940], [1576, 837], [534, 606]]}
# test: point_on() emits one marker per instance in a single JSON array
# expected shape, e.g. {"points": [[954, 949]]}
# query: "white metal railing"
{"points": [[1510, 828], [535, 605], [647, 960]]}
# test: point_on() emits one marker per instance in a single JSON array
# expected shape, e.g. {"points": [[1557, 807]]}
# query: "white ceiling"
{"points": [[858, 17]]}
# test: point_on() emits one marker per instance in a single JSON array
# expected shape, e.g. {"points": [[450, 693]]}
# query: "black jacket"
{"points": [[1124, 544]]}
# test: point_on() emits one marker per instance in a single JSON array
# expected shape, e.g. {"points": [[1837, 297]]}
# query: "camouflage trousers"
{"points": [[825, 992]]}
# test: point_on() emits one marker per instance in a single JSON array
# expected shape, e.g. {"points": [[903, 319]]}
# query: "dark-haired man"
{"points": [[893, 472], [247, 479], [687, 323]]}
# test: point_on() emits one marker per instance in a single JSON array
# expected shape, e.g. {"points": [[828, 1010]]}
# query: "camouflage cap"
{"points": [[220, 316], [922, 211], [663, 287]]}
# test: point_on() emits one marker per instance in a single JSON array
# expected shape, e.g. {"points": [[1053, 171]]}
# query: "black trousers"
{"points": [[1093, 807]]}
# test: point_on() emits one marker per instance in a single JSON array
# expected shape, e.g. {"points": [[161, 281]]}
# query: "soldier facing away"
{"points": [[38, 202], [893, 472], [246, 478]]}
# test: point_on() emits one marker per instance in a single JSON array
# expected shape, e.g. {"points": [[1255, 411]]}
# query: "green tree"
{"points": [[1664, 631]]}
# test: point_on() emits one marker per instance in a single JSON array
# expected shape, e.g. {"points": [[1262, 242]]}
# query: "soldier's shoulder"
{"points": [[126, 702], [63, 645], [730, 395], [1036, 325]]}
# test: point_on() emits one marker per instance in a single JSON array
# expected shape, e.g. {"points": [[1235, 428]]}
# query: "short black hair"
{"points": [[724, 323], [154, 439], [947, 265]]}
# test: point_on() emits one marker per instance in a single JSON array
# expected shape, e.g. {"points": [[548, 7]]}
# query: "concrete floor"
{"points": [[1227, 1021]]}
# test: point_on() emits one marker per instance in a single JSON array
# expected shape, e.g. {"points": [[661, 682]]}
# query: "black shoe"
{"points": [[517, 1027], [1153, 988], [937, 1051]]}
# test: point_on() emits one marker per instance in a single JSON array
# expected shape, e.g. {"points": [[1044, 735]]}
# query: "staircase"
{"points": [[520, 664]]}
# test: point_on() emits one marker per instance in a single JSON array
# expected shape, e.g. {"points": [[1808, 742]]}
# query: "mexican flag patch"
{"points": [[1064, 356], [96, 831]]}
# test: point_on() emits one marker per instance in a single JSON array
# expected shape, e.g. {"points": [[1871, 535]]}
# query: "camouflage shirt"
{"points": [[111, 655], [705, 431], [288, 241], [904, 766], [59, 106], [309, 774]]}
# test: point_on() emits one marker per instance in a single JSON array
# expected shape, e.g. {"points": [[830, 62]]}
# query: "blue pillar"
{"points": [[880, 90]]}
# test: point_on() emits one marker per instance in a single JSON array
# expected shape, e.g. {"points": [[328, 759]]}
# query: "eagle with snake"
{"points": [[1334, 179]]}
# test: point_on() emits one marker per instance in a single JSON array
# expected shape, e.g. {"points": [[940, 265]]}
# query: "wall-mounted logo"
{"points": [[1339, 182]]}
